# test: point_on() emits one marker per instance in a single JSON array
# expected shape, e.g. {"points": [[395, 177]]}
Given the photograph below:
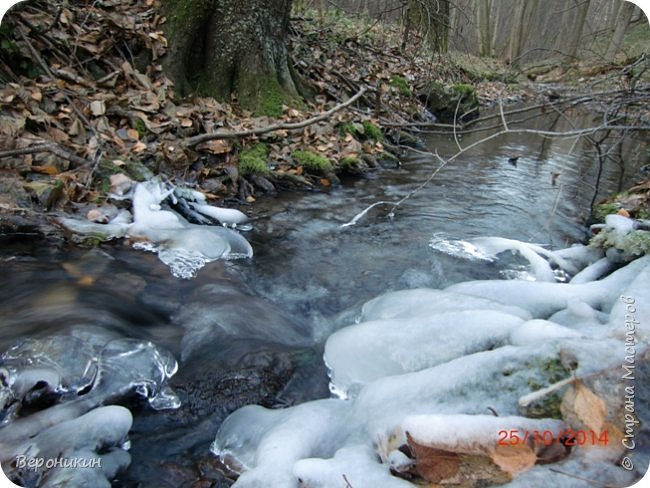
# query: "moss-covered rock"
{"points": [[45, 192], [448, 103], [371, 131], [632, 245], [253, 160], [542, 375], [312, 161], [604, 209]]}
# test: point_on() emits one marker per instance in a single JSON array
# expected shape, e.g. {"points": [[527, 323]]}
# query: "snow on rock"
{"points": [[630, 316], [356, 464], [426, 301], [536, 331], [422, 375], [593, 272], [544, 299], [271, 441], [579, 314], [359, 354]]}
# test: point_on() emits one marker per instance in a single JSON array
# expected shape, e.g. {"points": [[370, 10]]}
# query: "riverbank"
{"points": [[79, 116]]}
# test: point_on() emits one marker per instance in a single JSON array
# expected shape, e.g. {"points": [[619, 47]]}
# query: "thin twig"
{"points": [[444, 162], [347, 482], [193, 141]]}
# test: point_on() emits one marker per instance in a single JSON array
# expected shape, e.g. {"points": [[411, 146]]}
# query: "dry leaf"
{"points": [[514, 459], [138, 147], [97, 107], [216, 146], [434, 465], [582, 403], [46, 169]]}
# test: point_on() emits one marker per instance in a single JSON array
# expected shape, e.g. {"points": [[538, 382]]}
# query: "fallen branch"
{"points": [[50, 147], [226, 134]]}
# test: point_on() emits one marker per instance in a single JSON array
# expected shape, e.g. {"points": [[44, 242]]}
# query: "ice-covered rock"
{"points": [[593, 272], [54, 396], [230, 216], [183, 246], [544, 299], [427, 301], [362, 353], [537, 331], [424, 371]]}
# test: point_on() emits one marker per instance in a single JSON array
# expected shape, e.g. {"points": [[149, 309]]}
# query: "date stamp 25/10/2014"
{"points": [[566, 437]]}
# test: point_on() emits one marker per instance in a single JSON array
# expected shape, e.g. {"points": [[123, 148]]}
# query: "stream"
{"points": [[309, 276]]}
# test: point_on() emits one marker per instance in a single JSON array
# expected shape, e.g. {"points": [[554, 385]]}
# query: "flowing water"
{"points": [[309, 274]]}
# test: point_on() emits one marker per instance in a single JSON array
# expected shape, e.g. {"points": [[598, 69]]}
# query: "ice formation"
{"points": [[417, 369], [55, 399], [183, 246]]}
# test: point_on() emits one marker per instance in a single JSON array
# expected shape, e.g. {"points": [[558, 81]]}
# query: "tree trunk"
{"points": [[521, 16], [224, 47], [622, 21], [484, 34], [431, 18], [575, 31]]}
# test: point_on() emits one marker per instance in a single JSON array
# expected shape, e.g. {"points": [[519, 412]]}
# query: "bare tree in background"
{"points": [[576, 27], [522, 14], [431, 19], [622, 21], [484, 27]]}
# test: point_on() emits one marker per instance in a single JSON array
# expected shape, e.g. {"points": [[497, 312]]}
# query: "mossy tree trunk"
{"points": [[224, 47]]}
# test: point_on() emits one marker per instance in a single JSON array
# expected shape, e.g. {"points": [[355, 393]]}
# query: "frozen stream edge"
{"points": [[421, 358]]}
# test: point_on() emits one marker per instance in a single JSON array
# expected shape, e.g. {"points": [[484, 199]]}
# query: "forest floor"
{"points": [[85, 107]]}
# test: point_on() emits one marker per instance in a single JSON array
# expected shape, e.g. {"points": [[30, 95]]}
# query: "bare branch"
{"points": [[443, 162], [50, 147], [227, 134], [503, 117]]}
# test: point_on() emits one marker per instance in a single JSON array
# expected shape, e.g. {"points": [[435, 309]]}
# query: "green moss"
{"points": [[387, 156], [604, 209], [371, 131], [637, 242], [139, 125], [643, 214], [350, 162], [365, 130], [312, 161], [253, 160], [464, 91], [551, 371], [401, 84], [270, 99], [348, 128]]}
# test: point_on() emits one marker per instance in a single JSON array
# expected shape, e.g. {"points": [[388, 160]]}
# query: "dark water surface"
{"points": [[309, 274]]}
